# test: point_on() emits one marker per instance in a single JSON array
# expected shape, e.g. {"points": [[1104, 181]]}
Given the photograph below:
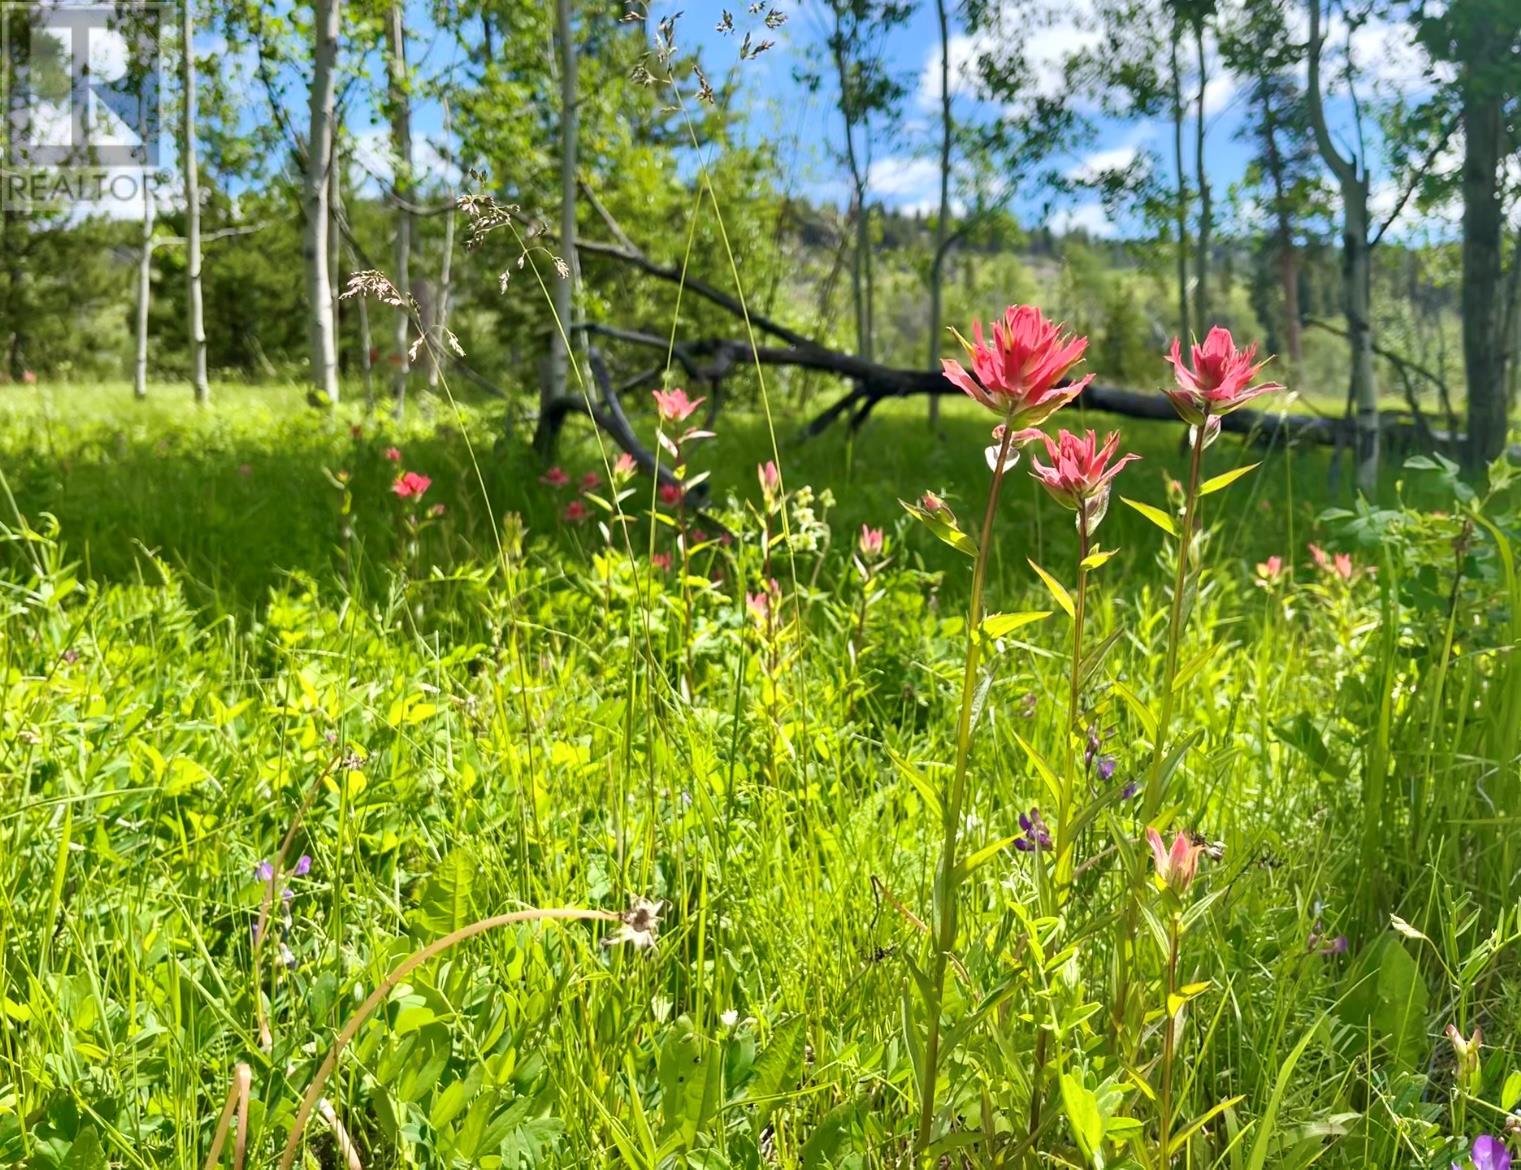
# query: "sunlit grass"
{"points": [[197, 650]]}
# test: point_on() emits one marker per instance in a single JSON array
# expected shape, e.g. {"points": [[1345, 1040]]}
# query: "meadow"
{"points": [[531, 819]]}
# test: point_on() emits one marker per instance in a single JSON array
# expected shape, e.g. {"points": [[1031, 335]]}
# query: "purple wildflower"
{"points": [[1488, 1153], [1036, 835], [1130, 791], [1106, 768], [264, 872], [303, 865]]}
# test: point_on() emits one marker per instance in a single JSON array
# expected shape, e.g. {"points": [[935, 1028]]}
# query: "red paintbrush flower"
{"points": [[674, 405], [1080, 473], [1177, 866], [1018, 376], [1216, 379], [410, 486]]}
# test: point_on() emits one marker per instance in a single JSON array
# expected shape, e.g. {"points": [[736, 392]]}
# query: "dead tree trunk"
{"points": [[1484, 341], [557, 388]]}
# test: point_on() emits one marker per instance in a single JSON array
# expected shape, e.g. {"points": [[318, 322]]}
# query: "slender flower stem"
{"points": [[1169, 1043], [1064, 813], [1153, 801], [1151, 798], [946, 881]]}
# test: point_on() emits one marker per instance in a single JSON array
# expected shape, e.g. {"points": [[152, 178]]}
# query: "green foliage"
{"points": [[191, 648]]}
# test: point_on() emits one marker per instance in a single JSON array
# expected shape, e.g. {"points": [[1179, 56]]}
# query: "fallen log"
{"points": [[708, 361], [873, 384], [606, 413]]}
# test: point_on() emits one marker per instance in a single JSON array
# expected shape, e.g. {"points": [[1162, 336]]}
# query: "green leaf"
{"points": [[1083, 1115], [1511, 1093], [691, 1081], [445, 902], [970, 862], [778, 1067], [998, 624], [1269, 1124], [1224, 480], [1158, 517], [448, 1104], [1188, 1131], [1098, 557], [86, 1153], [1138, 708], [828, 1135], [919, 780], [1038, 761], [1402, 1001], [944, 526], [1058, 590]]}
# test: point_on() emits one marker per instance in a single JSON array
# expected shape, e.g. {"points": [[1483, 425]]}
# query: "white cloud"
{"points": [[1384, 54], [1088, 217], [898, 176], [1046, 38], [1095, 165], [1218, 91]]}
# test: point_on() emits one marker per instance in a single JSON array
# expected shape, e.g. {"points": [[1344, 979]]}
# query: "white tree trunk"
{"points": [[319, 160], [1206, 222], [335, 240], [942, 225], [440, 322], [401, 146], [196, 325], [144, 294], [1357, 267]]}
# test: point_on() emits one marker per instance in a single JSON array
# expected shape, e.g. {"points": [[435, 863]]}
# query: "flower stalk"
{"points": [[947, 879], [1066, 805]]}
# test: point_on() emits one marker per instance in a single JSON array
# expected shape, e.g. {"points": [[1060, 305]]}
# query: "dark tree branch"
{"points": [[1415, 181]]}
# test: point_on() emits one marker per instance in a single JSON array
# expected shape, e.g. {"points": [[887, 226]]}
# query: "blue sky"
{"points": [[804, 128]]}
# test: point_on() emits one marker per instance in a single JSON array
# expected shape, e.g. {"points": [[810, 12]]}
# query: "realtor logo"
{"points": [[81, 86]]}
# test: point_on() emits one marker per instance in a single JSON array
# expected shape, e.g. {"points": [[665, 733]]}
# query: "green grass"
{"points": [[550, 722]]}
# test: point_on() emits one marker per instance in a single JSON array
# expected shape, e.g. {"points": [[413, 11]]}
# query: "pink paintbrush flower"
{"points": [[1079, 474], [555, 477], [410, 486], [576, 512], [870, 542], [674, 405], [1176, 866], [1216, 379], [1019, 375]]}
